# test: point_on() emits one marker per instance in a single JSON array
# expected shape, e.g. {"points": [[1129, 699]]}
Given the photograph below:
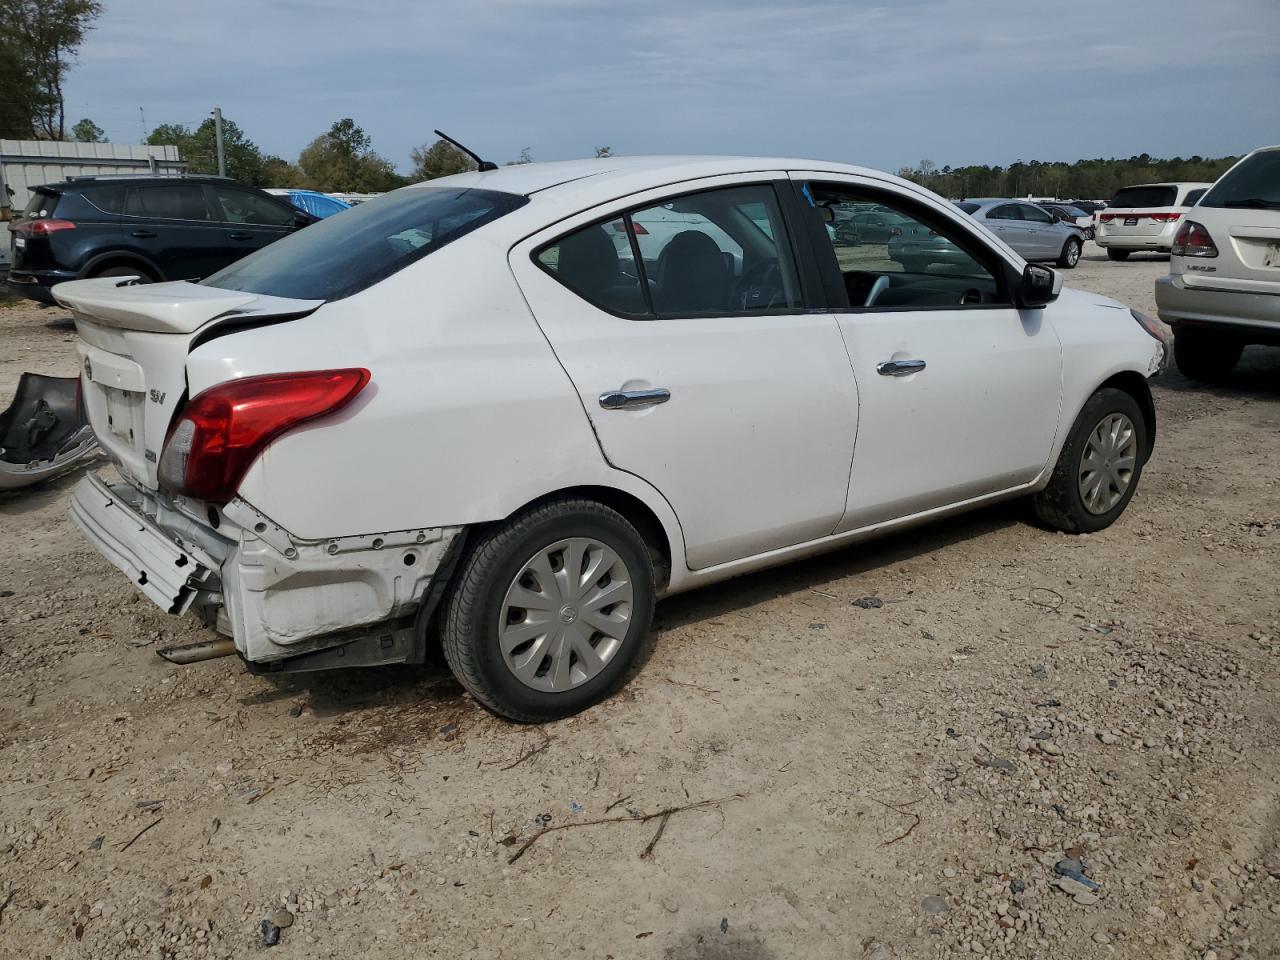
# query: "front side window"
{"points": [[1253, 184], [924, 261], [241, 206], [177, 202], [718, 253], [340, 256]]}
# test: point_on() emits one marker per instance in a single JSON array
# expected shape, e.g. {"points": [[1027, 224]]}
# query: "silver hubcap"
{"points": [[1073, 253], [1106, 467], [566, 614]]}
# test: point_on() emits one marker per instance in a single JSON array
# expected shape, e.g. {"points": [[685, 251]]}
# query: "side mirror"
{"points": [[1039, 286]]}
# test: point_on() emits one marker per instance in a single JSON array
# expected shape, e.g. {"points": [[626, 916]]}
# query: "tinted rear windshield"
{"points": [[41, 205], [1254, 183], [343, 255], [1145, 197]]}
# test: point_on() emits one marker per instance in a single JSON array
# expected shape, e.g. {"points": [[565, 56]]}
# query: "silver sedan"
{"points": [[1029, 230]]}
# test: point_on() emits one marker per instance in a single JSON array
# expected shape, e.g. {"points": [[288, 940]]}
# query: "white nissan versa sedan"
{"points": [[462, 407]]}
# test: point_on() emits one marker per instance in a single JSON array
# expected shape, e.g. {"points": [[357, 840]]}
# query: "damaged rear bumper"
{"points": [[278, 596]]}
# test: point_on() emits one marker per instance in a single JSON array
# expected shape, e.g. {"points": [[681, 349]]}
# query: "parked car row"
{"points": [[677, 355]]}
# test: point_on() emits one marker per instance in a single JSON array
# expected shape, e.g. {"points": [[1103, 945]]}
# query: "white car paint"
{"points": [[779, 440], [1144, 228]]}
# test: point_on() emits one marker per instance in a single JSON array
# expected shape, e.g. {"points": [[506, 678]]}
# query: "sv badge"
{"points": [[157, 396]]}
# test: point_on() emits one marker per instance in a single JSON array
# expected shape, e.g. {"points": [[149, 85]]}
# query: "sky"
{"points": [[880, 84]]}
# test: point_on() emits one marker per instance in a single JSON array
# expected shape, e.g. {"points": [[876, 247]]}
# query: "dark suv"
{"points": [[159, 228]]}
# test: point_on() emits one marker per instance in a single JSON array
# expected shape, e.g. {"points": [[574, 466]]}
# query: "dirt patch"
{"points": [[917, 779]]}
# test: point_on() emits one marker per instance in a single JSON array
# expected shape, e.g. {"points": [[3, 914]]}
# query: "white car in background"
{"points": [[1145, 217], [1223, 288], [510, 433]]}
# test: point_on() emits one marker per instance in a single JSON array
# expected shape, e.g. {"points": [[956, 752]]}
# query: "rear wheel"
{"points": [[1099, 467], [1115, 254], [1205, 356], [551, 611], [1070, 255], [143, 276]]}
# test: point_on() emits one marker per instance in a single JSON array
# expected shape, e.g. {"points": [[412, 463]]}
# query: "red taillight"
{"points": [[1193, 240], [222, 431], [40, 228], [639, 229], [1106, 217], [1165, 217], [621, 227]]}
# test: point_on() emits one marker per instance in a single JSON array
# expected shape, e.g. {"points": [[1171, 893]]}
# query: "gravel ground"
{"points": [[930, 778]]}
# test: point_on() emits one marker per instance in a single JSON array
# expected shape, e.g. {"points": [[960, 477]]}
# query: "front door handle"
{"points": [[899, 368], [143, 234], [618, 399], [237, 235]]}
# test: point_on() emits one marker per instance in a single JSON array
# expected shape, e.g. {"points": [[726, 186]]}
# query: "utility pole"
{"points": [[217, 132]]}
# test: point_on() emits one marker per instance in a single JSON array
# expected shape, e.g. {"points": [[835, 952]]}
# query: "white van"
{"points": [[1145, 217]]}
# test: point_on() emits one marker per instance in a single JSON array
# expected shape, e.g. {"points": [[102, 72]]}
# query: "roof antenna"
{"points": [[482, 165]]}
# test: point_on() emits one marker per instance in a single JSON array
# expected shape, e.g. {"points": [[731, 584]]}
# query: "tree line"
{"points": [[1097, 179]]}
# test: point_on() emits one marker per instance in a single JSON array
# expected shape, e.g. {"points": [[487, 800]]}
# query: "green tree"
{"points": [[602, 152], [38, 38], [343, 161], [86, 131], [199, 148], [441, 159], [277, 172]]}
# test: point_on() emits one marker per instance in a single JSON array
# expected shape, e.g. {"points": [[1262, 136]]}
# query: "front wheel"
{"points": [[142, 275], [1099, 467], [1205, 356], [551, 611], [1070, 255], [1114, 254]]}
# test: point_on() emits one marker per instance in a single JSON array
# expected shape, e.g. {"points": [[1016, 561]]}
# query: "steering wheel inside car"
{"points": [[761, 286]]}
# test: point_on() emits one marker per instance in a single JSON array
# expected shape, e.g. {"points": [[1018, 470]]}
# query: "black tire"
{"points": [[470, 626], [144, 276], [1070, 255], [1204, 355], [1114, 254], [1060, 504]]}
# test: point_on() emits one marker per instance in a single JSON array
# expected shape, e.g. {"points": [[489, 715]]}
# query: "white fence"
{"points": [[26, 164]]}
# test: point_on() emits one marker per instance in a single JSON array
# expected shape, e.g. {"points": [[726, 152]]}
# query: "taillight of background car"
{"points": [[222, 430], [1193, 240]]}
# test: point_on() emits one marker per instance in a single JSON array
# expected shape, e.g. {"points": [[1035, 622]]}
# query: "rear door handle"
{"points": [[144, 234], [899, 368], [238, 235], [618, 399]]}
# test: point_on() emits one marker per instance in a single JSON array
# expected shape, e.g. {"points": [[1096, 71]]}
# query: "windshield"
{"points": [[1157, 196], [1254, 182], [343, 255]]}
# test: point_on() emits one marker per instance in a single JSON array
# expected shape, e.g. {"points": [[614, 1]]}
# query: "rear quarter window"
{"points": [[1134, 197], [340, 256], [40, 205], [106, 199]]}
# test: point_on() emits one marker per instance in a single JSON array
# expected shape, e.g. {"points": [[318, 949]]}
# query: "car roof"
{"points": [[72, 183], [606, 174], [1193, 184]]}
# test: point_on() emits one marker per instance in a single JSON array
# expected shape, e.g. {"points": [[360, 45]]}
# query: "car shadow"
{"points": [[1256, 375], [425, 701], [807, 575]]}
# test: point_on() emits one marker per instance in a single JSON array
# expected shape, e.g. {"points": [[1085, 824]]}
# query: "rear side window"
{"points": [[967, 207], [1134, 197], [106, 199], [1254, 183], [41, 205], [340, 256], [1007, 211], [721, 252], [177, 202], [1192, 196]]}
